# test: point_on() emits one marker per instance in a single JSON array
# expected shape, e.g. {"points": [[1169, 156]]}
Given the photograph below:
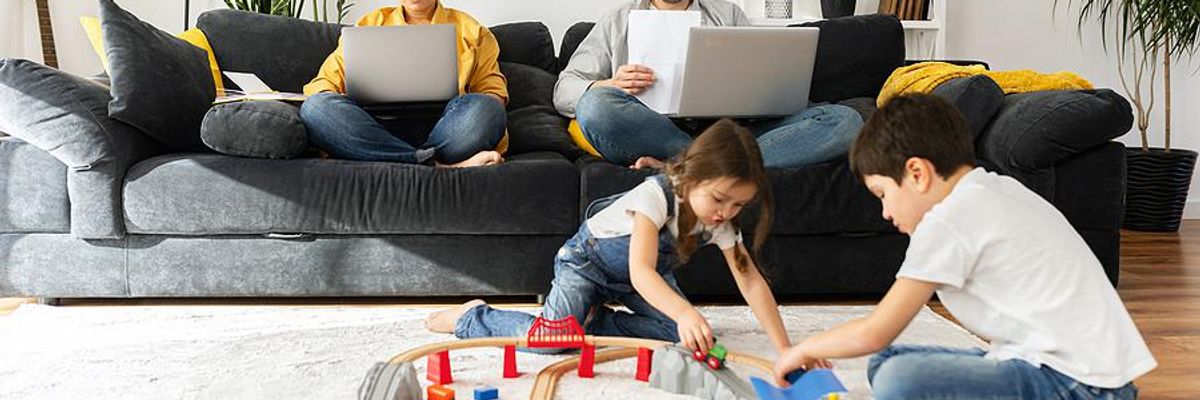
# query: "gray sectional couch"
{"points": [[120, 217]]}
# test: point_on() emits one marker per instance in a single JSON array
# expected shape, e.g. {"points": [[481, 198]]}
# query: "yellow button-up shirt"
{"points": [[478, 68]]}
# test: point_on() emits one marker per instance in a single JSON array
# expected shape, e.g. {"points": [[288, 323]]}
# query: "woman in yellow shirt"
{"points": [[469, 128]]}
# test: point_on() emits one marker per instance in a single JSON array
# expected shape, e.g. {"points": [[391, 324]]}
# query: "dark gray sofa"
{"points": [[162, 224]]}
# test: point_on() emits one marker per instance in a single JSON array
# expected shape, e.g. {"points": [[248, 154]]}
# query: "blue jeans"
{"points": [[471, 123], [623, 129], [588, 273], [923, 372]]}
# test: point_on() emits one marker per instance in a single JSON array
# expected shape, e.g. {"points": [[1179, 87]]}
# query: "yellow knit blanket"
{"points": [[926, 76]]}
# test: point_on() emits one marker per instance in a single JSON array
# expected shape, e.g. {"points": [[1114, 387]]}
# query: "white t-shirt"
{"points": [[1012, 270], [648, 198]]}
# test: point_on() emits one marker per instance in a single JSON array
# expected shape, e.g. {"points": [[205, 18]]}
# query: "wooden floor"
{"points": [[1160, 284]]}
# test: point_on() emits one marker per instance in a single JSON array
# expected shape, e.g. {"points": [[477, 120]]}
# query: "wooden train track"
{"points": [[547, 379]]}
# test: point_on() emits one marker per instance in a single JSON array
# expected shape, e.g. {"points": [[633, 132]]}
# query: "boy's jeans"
{"points": [[923, 372], [588, 272]]}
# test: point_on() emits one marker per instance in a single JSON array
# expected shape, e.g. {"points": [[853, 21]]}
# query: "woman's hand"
{"points": [[694, 331], [794, 359], [631, 78]]}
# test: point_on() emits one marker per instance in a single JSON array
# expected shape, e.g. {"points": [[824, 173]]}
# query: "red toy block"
{"points": [[510, 362], [439, 392], [437, 370], [586, 361], [643, 364]]}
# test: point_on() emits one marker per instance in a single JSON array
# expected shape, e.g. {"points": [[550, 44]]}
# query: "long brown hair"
{"points": [[724, 150]]}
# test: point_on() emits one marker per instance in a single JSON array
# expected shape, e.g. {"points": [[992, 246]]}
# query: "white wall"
{"points": [[1018, 34], [1009, 34]]}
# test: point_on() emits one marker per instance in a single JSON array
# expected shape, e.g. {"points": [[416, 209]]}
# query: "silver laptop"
{"points": [[747, 71], [393, 64]]}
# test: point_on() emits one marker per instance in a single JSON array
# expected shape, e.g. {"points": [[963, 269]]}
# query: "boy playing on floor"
{"points": [[1002, 260]]}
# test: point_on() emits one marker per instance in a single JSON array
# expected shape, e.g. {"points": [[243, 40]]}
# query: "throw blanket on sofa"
{"points": [[926, 76]]}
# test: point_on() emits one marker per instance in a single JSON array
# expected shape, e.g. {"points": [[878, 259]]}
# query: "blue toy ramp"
{"points": [[812, 385]]}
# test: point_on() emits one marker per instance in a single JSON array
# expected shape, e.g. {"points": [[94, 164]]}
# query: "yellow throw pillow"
{"points": [[91, 26], [577, 136]]}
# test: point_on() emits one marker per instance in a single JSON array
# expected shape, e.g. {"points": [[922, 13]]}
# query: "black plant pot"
{"points": [[1157, 188], [837, 8]]}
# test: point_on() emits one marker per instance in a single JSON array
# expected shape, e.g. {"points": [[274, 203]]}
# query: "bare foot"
{"points": [[478, 160], [647, 162], [444, 321]]}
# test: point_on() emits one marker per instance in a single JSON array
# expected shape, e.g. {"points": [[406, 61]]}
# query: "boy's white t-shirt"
{"points": [[648, 198], [1012, 270]]}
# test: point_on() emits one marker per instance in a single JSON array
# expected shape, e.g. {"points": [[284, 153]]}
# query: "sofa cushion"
{"points": [[855, 56], [976, 97], [160, 84], [210, 194], [819, 199], [263, 129], [67, 117], [33, 188], [570, 42], [284, 52], [540, 128], [527, 43], [1034, 131], [528, 85]]}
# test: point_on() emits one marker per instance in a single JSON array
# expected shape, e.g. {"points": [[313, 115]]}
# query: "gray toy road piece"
{"points": [[674, 370], [387, 381]]}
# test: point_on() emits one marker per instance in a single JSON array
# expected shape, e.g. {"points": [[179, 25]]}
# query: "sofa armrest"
{"points": [[67, 116], [1033, 132]]}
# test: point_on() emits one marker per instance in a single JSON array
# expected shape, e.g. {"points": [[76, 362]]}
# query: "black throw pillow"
{"points": [[855, 56], [160, 84], [526, 43], [976, 97], [528, 85], [571, 40], [540, 128]]}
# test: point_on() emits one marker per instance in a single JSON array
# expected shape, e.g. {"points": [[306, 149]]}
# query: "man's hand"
{"points": [[794, 359], [631, 78]]}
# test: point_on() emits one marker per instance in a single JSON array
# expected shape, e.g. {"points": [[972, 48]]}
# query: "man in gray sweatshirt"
{"points": [[598, 87]]}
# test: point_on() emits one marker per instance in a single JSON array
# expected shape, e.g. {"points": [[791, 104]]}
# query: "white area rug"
{"points": [[227, 352]]}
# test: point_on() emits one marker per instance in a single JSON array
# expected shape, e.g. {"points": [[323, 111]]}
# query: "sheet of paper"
{"points": [[659, 40], [248, 82]]}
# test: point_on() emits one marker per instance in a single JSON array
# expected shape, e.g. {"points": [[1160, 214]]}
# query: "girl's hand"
{"points": [[794, 359], [694, 332]]}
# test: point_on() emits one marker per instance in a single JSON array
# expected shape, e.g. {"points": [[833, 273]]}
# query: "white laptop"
{"points": [[395, 64], [747, 71]]}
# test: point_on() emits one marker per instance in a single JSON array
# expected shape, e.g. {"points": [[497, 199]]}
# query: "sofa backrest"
{"points": [[286, 53]]}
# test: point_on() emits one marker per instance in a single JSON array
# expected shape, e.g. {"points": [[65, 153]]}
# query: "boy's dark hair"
{"points": [[725, 149], [912, 125]]}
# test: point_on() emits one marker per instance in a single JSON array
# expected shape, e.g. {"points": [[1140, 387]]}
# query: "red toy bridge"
{"points": [[559, 333]]}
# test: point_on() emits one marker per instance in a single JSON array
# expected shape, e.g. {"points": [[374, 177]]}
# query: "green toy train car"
{"points": [[715, 358]]}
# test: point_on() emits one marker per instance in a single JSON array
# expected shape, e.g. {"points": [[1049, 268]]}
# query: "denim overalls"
{"points": [[589, 272]]}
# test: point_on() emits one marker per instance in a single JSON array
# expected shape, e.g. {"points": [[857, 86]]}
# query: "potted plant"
{"points": [[1147, 32], [293, 8]]}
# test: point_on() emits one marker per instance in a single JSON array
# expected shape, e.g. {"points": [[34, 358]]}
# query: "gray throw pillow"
{"points": [[160, 83], [261, 129], [67, 116], [977, 98]]}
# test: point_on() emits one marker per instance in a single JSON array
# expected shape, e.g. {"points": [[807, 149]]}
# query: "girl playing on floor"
{"points": [[627, 252]]}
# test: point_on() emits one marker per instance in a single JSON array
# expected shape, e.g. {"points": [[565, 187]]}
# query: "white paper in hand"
{"points": [[659, 40]]}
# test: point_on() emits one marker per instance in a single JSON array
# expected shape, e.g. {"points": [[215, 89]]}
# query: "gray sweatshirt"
{"points": [[606, 48]]}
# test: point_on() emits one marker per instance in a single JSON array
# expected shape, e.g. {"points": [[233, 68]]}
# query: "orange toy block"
{"points": [[439, 392]]}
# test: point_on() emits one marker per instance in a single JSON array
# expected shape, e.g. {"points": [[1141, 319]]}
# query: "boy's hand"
{"points": [[694, 332], [794, 359]]}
